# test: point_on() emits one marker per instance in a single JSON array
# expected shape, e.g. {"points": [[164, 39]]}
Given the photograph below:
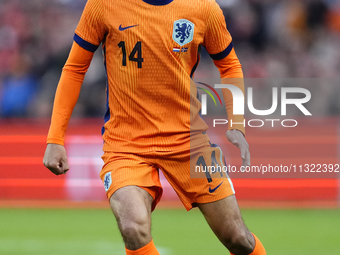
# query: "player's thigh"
{"points": [[224, 218], [132, 205]]}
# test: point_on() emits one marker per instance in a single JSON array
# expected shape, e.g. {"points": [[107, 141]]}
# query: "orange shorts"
{"points": [[188, 172]]}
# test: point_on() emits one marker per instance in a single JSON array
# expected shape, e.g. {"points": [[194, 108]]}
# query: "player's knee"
{"points": [[135, 229], [239, 242]]}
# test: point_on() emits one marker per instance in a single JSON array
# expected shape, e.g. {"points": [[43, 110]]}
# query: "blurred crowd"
{"points": [[273, 39]]}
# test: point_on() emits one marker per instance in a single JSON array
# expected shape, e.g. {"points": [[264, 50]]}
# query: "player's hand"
{"points": [[236, 137], [55, 159]]}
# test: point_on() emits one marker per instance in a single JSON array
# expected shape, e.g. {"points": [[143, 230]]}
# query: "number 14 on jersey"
{"points": [[137, 50]]}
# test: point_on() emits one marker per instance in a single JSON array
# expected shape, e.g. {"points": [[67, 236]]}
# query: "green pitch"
{"points": [[176, 232]]}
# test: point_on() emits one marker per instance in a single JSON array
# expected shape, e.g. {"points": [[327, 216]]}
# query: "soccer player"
{"points": [[152, 122]]}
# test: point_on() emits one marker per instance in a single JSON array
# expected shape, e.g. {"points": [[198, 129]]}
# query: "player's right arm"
{"points": [[65, 99], [89, 34]]}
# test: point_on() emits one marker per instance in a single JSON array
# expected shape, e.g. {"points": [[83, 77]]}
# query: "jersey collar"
{"points": [[158, 2]]}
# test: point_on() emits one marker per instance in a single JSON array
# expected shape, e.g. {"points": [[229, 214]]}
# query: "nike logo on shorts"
{"points": [[214, 189], [124, 28]]}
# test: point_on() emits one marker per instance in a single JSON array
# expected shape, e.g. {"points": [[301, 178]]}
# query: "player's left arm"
{"points": [[218, 42], [231, 73]]}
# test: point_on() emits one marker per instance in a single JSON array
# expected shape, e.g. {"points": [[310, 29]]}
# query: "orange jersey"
{"points": [[151, 50]]}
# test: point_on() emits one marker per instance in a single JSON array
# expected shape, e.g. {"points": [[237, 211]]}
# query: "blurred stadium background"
{"points": [[44, 214]]}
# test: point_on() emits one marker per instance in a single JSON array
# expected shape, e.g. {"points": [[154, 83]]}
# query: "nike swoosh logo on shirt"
{"points": [[124, 28], [214, 189]]}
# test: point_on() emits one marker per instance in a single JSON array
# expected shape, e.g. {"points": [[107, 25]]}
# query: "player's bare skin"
{"points": [[131, 206], [237, 138], [55, 159], [225, 220]]}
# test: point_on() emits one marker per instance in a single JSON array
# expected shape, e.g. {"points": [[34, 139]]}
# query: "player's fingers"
{"points": [[55, 159], [245, 145], [65, 166], [244, 164], [247, 159], [54, 167], [243, 156]]}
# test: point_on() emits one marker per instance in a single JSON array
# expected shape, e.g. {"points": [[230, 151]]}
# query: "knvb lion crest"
{"points": [[107, 181], [183, 32]]}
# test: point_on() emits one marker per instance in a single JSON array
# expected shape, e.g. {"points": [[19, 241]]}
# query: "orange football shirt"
{"points": [[151, 50]]}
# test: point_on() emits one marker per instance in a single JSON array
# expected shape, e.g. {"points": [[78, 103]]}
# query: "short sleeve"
{"points": [[217, 39], [91, 29]]}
